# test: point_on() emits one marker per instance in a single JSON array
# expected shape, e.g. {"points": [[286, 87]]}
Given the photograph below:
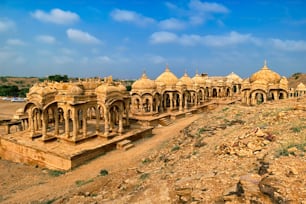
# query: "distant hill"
{"points": [[20, 82], [295, 79]]}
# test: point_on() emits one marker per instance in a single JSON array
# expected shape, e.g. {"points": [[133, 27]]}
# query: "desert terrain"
{"points": [[231, 154]]}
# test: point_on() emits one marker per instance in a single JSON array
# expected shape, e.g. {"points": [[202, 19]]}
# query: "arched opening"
{"points": [[215, 93], [259, 98]]}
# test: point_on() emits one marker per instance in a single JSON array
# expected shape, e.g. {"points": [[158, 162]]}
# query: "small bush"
{"points": [[144, 176], [82, 182], [146, 161], [55, 173], [283, 151], [175, 148], [103, 172]]}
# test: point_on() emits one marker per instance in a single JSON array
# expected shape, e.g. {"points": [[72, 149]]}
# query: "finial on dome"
{"points": [[185, 73], [167, 68], [144, 74], [265, 64]]}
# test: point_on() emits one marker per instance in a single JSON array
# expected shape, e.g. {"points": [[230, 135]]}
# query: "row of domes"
{"points": [[168, 79]]}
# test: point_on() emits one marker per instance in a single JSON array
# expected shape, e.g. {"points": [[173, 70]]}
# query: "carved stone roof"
{"points": [[167, 78], [301, 87], [75, 90], [234, 77], [144, 83], [199, 79], [185, 79], [266, 74]]}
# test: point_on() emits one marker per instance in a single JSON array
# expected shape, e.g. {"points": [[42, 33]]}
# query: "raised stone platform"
{"points": [[60, 154]]}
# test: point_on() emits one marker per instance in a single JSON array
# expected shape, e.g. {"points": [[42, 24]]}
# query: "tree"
{"points": [[58, 78]]}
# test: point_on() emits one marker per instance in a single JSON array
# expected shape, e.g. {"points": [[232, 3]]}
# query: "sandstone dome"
{"points": [[199, 79], [75, 90], [185, 79], [266, 74], [167, 77], [144, 83], [234, 77], [301, 87]]}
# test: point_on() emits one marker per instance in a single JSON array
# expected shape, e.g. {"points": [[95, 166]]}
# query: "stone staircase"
{"points": [[188, 114], [125, 145], [164, 121]]}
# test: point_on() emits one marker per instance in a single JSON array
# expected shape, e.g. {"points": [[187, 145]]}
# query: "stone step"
{"points": [[128, 146], [165, 121], [123, 143], [189, 114]]}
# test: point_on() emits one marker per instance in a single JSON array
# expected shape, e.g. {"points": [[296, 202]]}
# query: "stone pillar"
{"points": [[44, 125], [106, 122], [171, 101], [120, 130], [181, 102], [97, 119], [74, 124], [186, 102], [67, 126], [56, 121], [84, 123]]}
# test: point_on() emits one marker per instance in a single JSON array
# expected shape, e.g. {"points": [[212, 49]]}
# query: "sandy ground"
{"points": [[197, 159], [25, 183], [8, 109]]}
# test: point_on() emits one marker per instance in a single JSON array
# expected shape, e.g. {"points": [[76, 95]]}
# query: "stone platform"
{"points": [[60, 154]]}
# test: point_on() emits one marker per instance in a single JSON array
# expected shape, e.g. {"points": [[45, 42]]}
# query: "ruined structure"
{"points": [[63, 125], [67, 110], [264, 85], [168, 93]]}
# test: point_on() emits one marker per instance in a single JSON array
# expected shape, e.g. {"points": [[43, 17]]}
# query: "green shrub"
{"points": [[103, 172], [55, 173]]}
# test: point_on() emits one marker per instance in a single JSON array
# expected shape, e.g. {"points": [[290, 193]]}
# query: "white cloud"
{"points": [[6, 25], [172, 24], [156, 59], [207, 7], [131, 17], [199, 12], [16, 42], [163, 37], [103, 59], [232, 38], [289, 45], [48, 39], [81, 37], [62, 59], [56, 16]]}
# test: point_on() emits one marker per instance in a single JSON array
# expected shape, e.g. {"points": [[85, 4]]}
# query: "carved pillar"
{"points": [[97, 119], [56, 121], [74, 124], [44, 121], [120, 130], [171, 101], [186, 102], [84, 122], [181, 102], [67, 126], [106, 121]]}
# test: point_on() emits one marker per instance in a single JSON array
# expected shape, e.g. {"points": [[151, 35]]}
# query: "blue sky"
{"points": [[84, 38]]}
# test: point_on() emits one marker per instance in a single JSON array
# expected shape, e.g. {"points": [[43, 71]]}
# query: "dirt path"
{"points": [[54, 187]]}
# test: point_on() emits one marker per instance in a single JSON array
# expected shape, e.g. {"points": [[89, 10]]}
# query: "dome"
{"points": [[107, 88], [75, 90], [144, 83], [199, 79], [19, 111], [234, 77], [301, 87], [266, 74], [167, 77], [187, 80]]}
